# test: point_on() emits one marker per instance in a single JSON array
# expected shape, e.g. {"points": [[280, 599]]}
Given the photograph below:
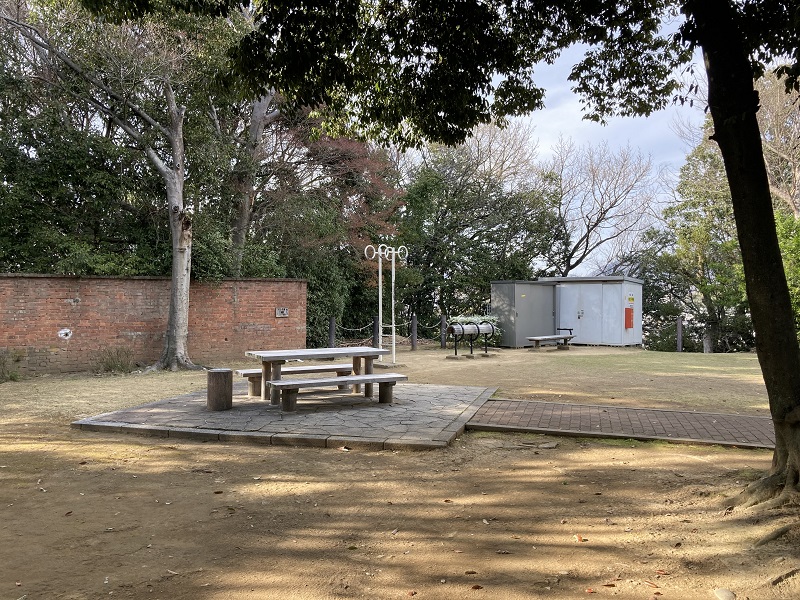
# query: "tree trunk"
{"points": [[176, 352], [244, 183], [733, 103], [712, 326], [244, 211]]}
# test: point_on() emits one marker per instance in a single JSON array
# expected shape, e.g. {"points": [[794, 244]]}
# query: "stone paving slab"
{"points": [[619, 422], [421, 417]]}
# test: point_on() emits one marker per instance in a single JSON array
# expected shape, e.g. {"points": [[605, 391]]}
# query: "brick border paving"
{"points": [[620, 422]]}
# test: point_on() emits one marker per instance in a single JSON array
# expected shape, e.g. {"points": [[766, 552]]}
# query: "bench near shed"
{"points": [[289, 387], [538, 340], [254, 375]]}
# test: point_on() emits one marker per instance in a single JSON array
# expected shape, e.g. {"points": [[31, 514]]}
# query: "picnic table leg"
{"points": [[356, 371], [265, 377], [341, 374], [289, 400], [385, 392], [275, 397], [368, 387]]}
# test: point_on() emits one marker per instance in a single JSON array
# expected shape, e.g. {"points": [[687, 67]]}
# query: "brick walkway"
{"points": [[618, 422]]}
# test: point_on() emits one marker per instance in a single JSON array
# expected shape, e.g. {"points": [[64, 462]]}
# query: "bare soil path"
{"points": [[86, 516]]}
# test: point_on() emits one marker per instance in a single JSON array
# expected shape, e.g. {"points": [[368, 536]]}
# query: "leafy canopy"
{"points": [[410, 70], [427, 69]]}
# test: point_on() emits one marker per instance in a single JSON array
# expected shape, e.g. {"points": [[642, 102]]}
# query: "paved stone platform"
{"points": [[421, 417], [620, 422]]}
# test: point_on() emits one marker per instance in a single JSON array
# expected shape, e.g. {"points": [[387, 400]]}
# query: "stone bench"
{"points": [[289, 387], [538, 340], [254, 375]]}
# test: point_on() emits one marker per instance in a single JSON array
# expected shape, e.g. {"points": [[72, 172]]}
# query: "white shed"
{"points": [[601, 311]]}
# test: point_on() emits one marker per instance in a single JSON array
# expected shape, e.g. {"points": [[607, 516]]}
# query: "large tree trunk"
{"points": [[176, 352], [733, 103]]}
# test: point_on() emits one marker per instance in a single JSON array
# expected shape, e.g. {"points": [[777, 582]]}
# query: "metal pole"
{"points": [[376, 332], [413, 331], [332, 333], [393, 326], [380, 299], [680, 333], [384, 251]]}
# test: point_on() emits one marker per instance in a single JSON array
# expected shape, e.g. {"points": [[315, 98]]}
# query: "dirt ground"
{"points": [[90, 515]]}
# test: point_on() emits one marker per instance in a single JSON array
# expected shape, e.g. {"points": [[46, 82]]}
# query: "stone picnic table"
{"points": [[272, 360]]}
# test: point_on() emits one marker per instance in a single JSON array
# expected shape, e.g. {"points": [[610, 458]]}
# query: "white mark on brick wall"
{"points": [[65, 333]]}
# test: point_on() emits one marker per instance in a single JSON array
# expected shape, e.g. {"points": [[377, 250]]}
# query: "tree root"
{"points": [[763, 490], [774, 535], [175, 364]]}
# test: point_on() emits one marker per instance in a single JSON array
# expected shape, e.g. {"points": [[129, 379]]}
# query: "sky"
{"points": [[562, 116]]}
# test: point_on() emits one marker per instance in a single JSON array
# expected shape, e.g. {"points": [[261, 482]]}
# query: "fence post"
{"points": [[332, 333], [376, 332], [413, 331], [443, 331], [680, 333]]}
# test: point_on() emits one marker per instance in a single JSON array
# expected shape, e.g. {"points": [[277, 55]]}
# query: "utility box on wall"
{"points": [[601, 311]]}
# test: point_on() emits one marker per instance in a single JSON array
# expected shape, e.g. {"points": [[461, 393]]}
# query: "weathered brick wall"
{"points": [[64, 324]]}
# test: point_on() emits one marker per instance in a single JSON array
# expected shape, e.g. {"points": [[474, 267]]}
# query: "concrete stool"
{"points": [[220, 389]]}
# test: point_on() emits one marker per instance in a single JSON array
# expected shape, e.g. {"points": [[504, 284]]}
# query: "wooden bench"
{"points": [[254, 375], [289, 387], [538, 340]]}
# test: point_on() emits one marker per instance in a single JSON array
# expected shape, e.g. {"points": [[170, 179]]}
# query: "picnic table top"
{"points": [[311, 353]]}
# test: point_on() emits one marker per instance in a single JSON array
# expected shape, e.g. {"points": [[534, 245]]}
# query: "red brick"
{"points": [[225, 319]]}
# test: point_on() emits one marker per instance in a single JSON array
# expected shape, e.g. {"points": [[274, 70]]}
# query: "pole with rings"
{"points": [[387, 252]]}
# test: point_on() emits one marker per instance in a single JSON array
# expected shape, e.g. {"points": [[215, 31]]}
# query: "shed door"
{"points": [[580, 307], [567, 315], [535, 312]]}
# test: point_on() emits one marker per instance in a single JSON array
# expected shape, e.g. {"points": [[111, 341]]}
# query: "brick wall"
{"points": [[64, 324]]}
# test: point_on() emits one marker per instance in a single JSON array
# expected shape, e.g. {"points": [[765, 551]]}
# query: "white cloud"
{"points": [[563, 116]]}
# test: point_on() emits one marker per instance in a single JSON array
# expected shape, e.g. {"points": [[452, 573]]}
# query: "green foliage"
{"points": [[211, 248], [418, 70], [706, 252], [789, 237], [693, 267], [72, 201], [464, 230]]}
